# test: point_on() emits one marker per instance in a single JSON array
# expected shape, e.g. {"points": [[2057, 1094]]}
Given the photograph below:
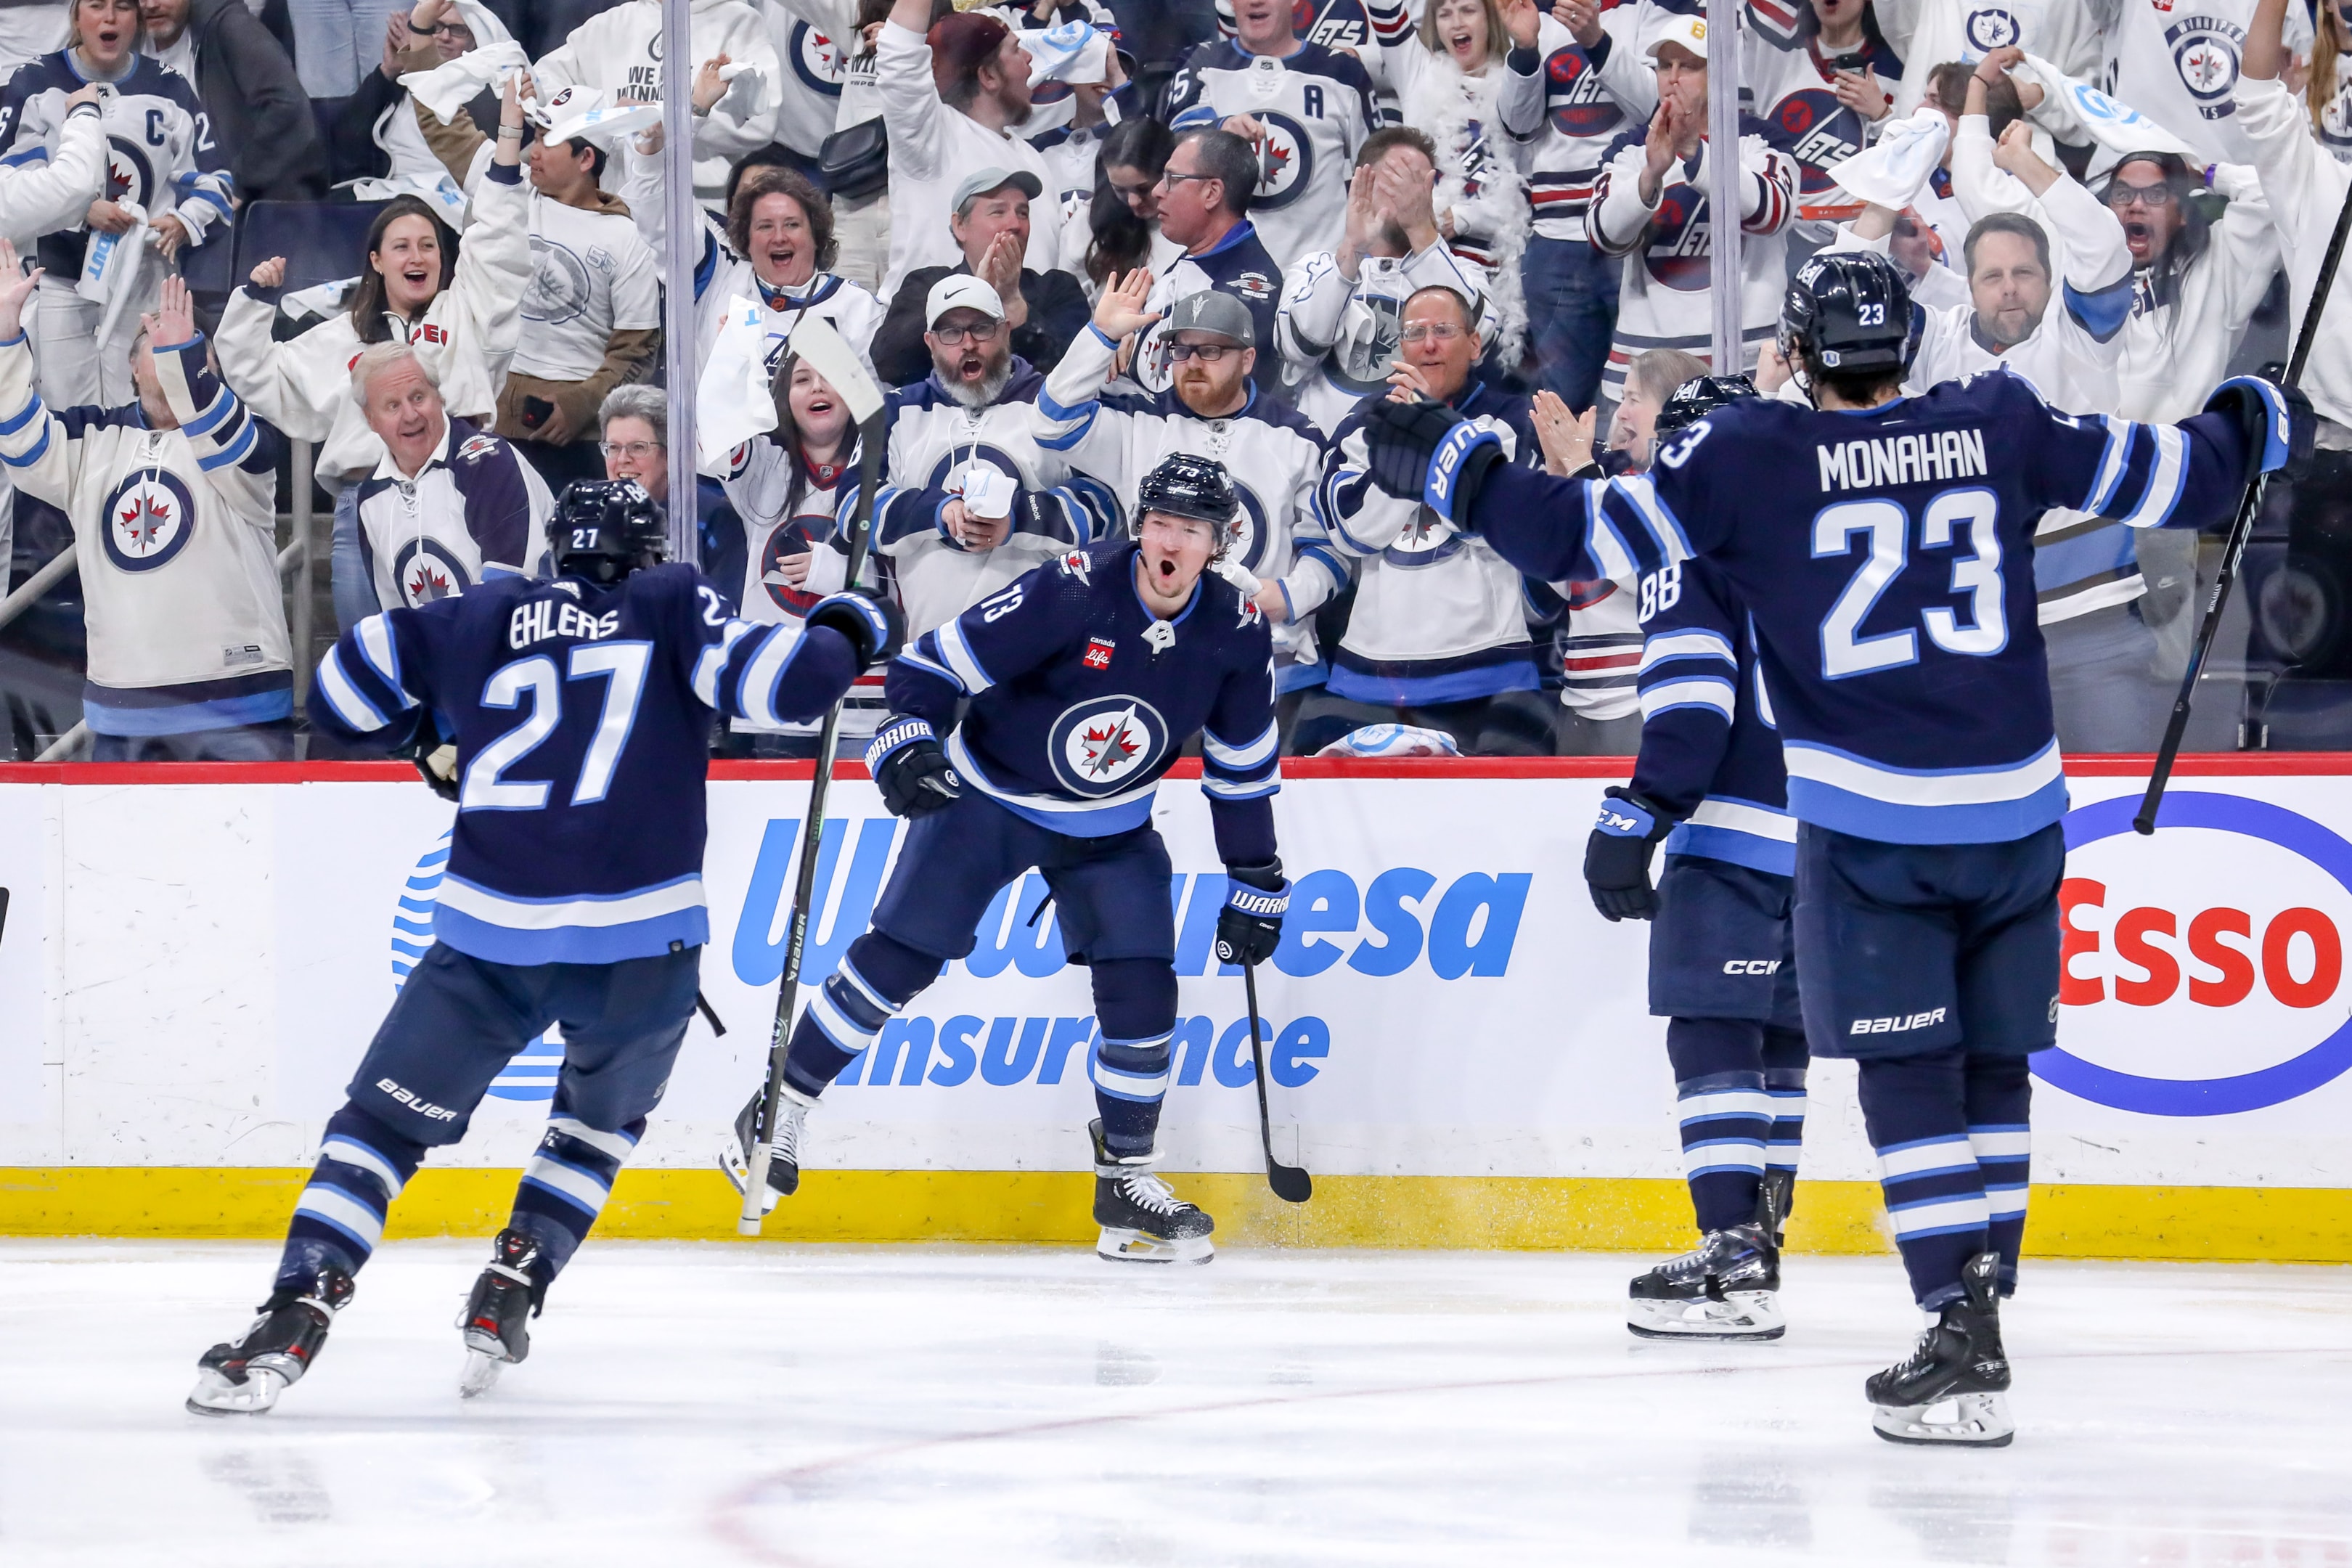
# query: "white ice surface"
{"points": [[861, 1407]]}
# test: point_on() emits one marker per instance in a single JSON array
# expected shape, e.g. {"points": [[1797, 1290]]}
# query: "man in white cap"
{"points": [[989, 221], [1650, 207], [970, 499]]}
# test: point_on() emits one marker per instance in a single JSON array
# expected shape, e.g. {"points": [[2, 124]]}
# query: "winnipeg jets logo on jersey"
{"points": [[2205, 52], [1575, 99], [815, 60], [129, 178], [1246, 534], [1680, 242], [1992, 28], [1098, 747], [1822, 133], [946, 474], [476, 449], [1287, 159], [790, 539], [426, 573], [148, 520], [1077, 563], [559, 289]]}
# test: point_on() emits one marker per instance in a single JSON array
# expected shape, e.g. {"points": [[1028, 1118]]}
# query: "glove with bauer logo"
{"points": [[1249, 928], [870, 623], [912, 769], [1617, 855], [1424, 451]]}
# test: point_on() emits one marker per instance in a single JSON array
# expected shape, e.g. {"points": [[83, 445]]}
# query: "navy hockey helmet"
{"points": [[1186, 484], [1696, 398], [1849, 310], [605, 528]]}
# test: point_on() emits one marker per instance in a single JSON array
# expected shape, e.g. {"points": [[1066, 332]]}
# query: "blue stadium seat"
{"points": [[210, 267], [321, 241]]}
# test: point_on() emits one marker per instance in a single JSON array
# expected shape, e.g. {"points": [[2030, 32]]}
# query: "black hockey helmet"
{"points": [[1696, 398], [605, 528], [1186, 484], [1849, 310]]}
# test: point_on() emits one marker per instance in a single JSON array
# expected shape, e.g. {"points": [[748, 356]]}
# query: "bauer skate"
{"points": [[497, 1319], [1730, 1289], [245, 1377], [784, 1160], [1142, 1221], [1953, 1386]]}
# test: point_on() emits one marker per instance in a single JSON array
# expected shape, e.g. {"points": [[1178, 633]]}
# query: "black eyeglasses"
{"points": [[1207, 353], [2119, 194], [1169, 178], [981, 332]]}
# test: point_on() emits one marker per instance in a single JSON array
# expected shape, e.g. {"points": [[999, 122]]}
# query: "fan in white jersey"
{"points": [[811, 40], [2067, 33], [172, 503], [2179, 66], [423, 39], [1829, 90], [2327, 89]]}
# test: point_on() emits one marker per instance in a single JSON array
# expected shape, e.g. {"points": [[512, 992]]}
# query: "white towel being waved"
{"points": [[1071, 52], [732, 403], [448, 88], [580, 112], [1892, 171], [2073, 111]]}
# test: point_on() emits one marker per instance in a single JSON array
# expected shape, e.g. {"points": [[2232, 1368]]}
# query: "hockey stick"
{"points": [[1291, 1183], [2242, 528], [815, 340]]}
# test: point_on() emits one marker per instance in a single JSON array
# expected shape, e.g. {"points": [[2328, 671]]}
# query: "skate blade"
{"points": [[1740, 1315], [739, 1171], [1134, 1247], [1962, 1420], [481, 1373], [216, 1395]]}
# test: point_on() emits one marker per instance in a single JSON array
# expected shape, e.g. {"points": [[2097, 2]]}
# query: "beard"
{"points": [[983, 393]]}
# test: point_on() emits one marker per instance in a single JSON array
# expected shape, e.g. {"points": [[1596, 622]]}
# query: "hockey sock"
{"points": [[876, 977], [1785, 1060], [1135, 1002], [1726, 1114], [363, 1164], [564, 1186], [1999, 1093], [1916, 1113]]}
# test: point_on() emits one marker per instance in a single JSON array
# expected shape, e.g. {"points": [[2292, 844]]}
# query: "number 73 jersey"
{"points": [[1887, 558], [582, 716]]}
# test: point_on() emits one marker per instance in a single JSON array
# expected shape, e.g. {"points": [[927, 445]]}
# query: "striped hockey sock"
{"points": [[362, 1165], [876, 978], [1785, 1059], [565, 1184], [1913, 1108], [2000, 1093], [1135, 999], [1724, 1112]]}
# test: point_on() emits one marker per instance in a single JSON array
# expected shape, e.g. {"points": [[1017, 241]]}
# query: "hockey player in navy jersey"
{"points": [[570, 722], [1882, 547], [1722, 970], [1080, 683]]}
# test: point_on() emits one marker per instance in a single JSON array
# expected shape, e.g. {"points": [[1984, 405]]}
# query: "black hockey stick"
{"points": [[1291, 1183], [2242, 528], [815, 340]]}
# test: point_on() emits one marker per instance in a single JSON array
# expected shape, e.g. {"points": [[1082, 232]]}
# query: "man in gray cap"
{"points": [[989, 218]]}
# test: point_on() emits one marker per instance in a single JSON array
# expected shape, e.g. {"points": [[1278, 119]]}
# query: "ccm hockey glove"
{"points": [[912, 769], [1423, 451], [1249, 928], [1617, 856], [870, 623]]}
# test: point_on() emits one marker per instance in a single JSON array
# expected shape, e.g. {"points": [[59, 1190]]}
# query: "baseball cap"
{"points": [[962, 44], [1210, 312], [961, 291], [988, 182], [1690, 32]]}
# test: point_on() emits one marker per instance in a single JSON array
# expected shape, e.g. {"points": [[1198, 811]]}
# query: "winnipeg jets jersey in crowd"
{"points": [[39, 191], [161, 151], [813, 40], [1316, 107], [175, 535], [1238, 264], [2185, 325], [1477, 122], [935, 443], [2177, 64], [1080, 698], [474, 512], [1439, 616], [1273, 456], [1338, 337], [1793, 91], [2064, 32], [618, 52], [1886, 559], [1663, 301], [2306, 189], [582, 717], [1591, 97], [591, 277]]}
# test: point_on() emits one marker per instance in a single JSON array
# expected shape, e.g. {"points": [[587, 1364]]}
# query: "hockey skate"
{"points": [[1953, 1386], [245, 1377], [497, 1314], [783, 1161], [1142, 1221], [1730, 1289]]}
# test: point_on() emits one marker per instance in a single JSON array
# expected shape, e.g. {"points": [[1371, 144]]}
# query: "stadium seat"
{"points": [[321, 241]]}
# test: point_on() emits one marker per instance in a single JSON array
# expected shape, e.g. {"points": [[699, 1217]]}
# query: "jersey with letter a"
{"points": [[582, 719], [1316, 107], [1886, 557]]}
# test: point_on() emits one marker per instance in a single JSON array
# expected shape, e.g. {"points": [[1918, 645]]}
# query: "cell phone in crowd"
{"points": [[535, 411], [1849, 62]]}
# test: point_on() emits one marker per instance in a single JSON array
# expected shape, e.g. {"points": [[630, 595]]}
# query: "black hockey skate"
{"points": [[1142, 1221], [1730, 1289], [784, 1163], [245, 1377], [497, 1314], [1953, 1386]]}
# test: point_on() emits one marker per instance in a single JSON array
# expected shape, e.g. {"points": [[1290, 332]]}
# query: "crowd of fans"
{"points": [[1076, 235]]}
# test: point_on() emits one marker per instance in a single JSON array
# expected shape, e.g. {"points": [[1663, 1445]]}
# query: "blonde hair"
{"points": [[2328, 42], [1654, 376], [1498, 37], [378, 357]]}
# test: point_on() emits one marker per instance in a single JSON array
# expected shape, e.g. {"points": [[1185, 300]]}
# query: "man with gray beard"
{"points": [[970, 500]]}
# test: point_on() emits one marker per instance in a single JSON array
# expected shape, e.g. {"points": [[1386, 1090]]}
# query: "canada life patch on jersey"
{"points": [[1105, 744], [426, 573], [2205, 53], [148, 520], [1099, 652]]}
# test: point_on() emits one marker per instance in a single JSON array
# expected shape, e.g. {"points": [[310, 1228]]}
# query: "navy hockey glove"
{"points": [[870, 623], [1249, 928], [2279, 424], [1617, 856], [434, 759], [912, 769], [1424, 451]]}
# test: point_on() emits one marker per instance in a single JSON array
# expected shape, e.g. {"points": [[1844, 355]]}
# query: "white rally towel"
{"points": [[732, 401], [441, 191], [447, 88], [2114, 125], [580, 112], [111, 262], [1892, 171], [1392, 741], [1072, 52]]}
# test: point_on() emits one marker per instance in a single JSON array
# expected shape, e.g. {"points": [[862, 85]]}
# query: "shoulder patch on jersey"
{"points": [[1253, 285], [1077, 564], [477, 448]]}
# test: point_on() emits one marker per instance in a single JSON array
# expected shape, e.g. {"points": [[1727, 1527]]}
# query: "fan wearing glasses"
{"points": [[1205, 197]]}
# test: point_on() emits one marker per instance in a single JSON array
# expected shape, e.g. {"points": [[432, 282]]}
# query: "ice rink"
{"points": [[857, 1407]]}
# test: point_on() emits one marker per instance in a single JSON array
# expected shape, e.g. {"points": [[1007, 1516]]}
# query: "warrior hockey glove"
{"points": [[1617, 856], [2279, 424], [870, 623], [1423, 451], [1249, 928], [911, 770]]}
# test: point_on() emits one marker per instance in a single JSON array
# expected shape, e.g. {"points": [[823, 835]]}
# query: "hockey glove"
{"points": [[434, 759], [912, 769], [871, 624], [2279, 424], [1423, 451], [1249, 928], [1617, 856]]}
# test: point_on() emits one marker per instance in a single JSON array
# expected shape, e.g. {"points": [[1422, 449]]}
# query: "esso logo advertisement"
{"points": [[2202, 971]]}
